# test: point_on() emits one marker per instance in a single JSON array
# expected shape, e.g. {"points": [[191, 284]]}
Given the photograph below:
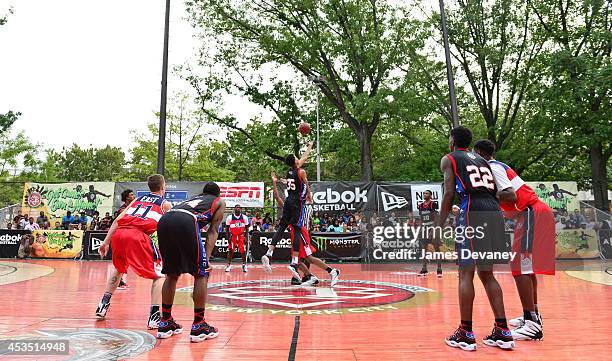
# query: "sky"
{"points": [[88, 72]]}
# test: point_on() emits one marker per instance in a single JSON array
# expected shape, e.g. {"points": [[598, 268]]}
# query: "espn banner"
{"points": [[57, 199], [10, 240], [330, 246], [405, 197], [245, 194], [56, 244], [92, 240]]}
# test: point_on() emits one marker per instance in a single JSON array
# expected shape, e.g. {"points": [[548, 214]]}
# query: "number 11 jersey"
{"points": [[143, 214]]}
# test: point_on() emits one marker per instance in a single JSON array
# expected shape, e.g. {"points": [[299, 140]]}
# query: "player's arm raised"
{"points": [[449, 190], [103, 250], [304, 157], [213, 230], [279, 199]]}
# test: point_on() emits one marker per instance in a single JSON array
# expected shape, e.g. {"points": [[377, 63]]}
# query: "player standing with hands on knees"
{"points": [[184, 251], [293, 209]]}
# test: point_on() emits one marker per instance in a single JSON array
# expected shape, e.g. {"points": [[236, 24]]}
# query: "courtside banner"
{"points": [[405, 197], [9, 242], [244, 194], [57, 199], [261, 240], [336, 246], [92, 240], [56, 244], [336, 197], [221, 247]]}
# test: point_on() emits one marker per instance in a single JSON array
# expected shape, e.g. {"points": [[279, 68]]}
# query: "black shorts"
{"points": [[480, 230], [180, 244], [293, 213]]}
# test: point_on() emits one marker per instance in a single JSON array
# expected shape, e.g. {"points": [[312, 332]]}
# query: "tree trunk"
{"points": [[599, 177], [365, 147]]}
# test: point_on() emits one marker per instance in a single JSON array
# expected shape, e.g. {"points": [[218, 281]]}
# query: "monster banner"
{"points": [[56, 200], [56, 244]]}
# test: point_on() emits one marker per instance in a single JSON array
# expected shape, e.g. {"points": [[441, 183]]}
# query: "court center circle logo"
{"points": [[279, 297]]}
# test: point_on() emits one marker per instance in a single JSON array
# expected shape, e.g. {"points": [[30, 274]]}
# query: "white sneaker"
{"points": [[313, 280], [153, 322], [293, 269], [335, 274], [228, 268], [265, 261], [517, 322], [528, 331], [244, 268]]}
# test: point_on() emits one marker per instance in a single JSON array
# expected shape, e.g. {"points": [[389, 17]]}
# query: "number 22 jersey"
{"points": [[473, 177]]}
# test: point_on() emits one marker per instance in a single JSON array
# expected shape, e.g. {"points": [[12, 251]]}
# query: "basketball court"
{"points": [[385, 314]]}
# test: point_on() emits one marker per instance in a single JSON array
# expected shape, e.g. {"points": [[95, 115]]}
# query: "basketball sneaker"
{"points": [[293, 268], [244, 268], [297, 282], [102, 309], [500, 337], [153, 322], [520, 321], [439, 272], [423, 272], [462, 339], [202, 331], [530, 330], [265, 261], [228, 268], [122, 285], [335, 274], [168, 328], [311, 280]]}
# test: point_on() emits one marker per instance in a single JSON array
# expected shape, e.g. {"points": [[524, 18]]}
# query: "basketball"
{"points": [[304, 128]]}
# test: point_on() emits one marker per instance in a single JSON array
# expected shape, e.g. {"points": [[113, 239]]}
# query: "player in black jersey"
{"points": [[293, 210], [428, 211], [480, 229], [183, 251]]}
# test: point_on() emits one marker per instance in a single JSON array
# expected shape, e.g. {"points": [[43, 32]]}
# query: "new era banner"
{"points": [[405, 197], [57, 199], [92, 240], [336, 197], [56, 244], [246, 194]]}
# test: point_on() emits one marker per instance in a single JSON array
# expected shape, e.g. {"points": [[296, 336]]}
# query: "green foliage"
{"points": [[85, 164]]}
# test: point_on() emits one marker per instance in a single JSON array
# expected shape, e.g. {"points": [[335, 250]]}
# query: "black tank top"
{"points": [[202, 206], [473, 175], [296, 189], [427, 211]]}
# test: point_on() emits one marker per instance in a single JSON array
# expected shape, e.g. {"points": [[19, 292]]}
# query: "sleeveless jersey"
{"points": [[473, 176], [296, 189], [427, 211], [143, 214], [525, 196], [237, 224], [202, 207]]}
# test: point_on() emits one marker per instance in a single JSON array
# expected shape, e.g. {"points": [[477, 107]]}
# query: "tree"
{"points": [[579, 70], [85, 164], [356, 45]]}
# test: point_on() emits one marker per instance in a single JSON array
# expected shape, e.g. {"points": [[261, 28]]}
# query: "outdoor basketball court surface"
{"points": [[371, 315]]}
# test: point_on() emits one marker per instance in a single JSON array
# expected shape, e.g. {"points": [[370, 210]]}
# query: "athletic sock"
{"points": [[329, 269], [294, 260], [536, 309], [166, 311], [154, 309], [107, 296], [501, 323], [466, 325], [198, 315], [269, 253]]}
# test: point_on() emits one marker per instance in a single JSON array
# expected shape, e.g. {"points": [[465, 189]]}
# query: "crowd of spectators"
{"points": [[68, 222]]}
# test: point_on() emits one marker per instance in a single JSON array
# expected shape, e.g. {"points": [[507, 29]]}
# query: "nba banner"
{"points": [[92, 240], [337, 197], [10, 240], [405, 197], [83, 198], [56, 244], [560, 196], [246, 194]]}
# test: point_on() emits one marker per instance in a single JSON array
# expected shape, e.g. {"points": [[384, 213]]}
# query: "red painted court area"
{"points": [[386, 314]]}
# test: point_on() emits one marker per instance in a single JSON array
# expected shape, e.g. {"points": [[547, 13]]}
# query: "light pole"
{"points": [[449, 68], [317, 80], [161, 143]]}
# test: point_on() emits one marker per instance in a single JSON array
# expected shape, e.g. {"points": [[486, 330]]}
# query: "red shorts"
{"points": [[534, 241], [133, 248], [306, 247], [237, 241]]}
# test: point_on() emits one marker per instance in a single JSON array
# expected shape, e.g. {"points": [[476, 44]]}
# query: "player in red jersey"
{"points": [[306, 249], [534, 240], [428, 211], [130, 238], [236, 227]]}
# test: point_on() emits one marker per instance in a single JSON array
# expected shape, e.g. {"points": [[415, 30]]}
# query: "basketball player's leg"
{"points": [[243, 253], [278, 235], [120, 263], [201, 330], [230, 253], [463, 337], [334, 273]]}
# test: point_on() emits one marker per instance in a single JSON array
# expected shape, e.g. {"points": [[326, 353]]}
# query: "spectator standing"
{"points": [[127, 196], [105, 223], [42, 218], [23, 221]]}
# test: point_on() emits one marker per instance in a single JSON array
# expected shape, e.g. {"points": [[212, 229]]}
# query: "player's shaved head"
{"points": [[156, 182], [485, 147], [290, 160], [212, 188], [462, 136]]}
